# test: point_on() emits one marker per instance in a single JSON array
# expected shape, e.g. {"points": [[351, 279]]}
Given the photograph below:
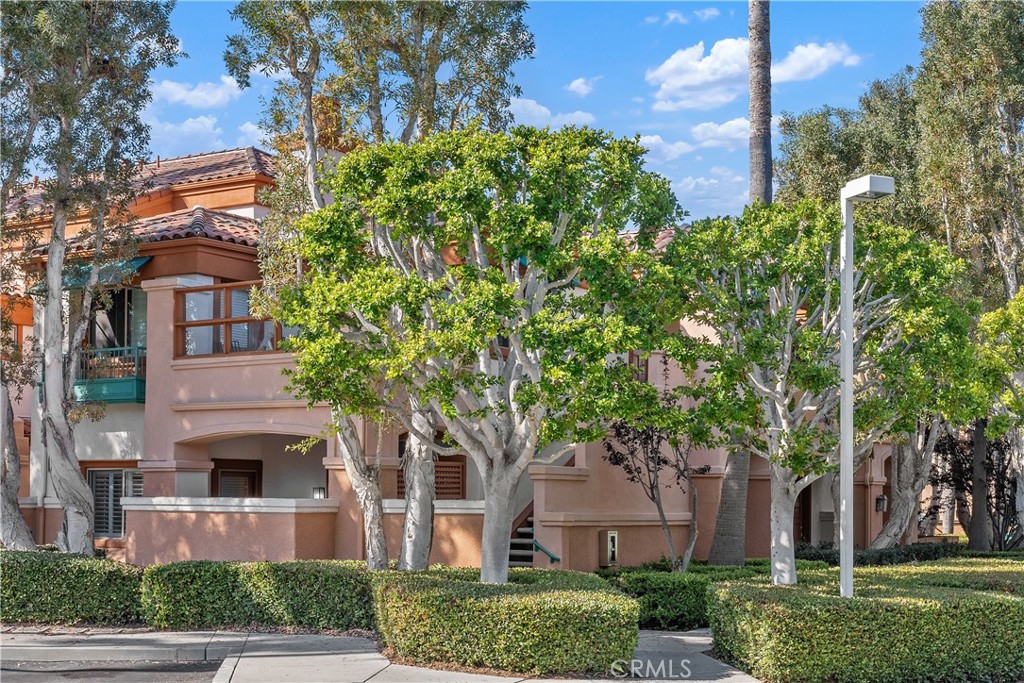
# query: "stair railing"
{"points": [[538, 548]]}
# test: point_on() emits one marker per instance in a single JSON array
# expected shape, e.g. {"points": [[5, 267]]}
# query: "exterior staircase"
{"points": [[520, 552]]}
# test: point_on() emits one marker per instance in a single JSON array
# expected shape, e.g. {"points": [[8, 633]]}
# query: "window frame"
{"points": [[223, 321]]}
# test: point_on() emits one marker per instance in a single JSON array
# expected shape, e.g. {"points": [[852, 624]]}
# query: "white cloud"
{"points": [[529, 112], [251, 135], [198, 134], [576, 118], [675, 17], [728, 135], [638, 100], [721, 192], [665, 151], [707, 14], [205, 95], [691, 79], [811, 60], [652, 20], [583, 86]]}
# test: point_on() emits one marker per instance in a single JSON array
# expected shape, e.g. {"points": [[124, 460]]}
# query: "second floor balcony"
{"points": [[112, 375], [213, 320]]}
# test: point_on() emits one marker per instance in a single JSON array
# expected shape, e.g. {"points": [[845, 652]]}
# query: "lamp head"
{"points": [[868, 188]]}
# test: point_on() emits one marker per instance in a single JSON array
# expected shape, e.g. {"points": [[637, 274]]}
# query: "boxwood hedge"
{"points": [[58, 588], [677, 601], [326, 594], [540, 622], [896, 629]]}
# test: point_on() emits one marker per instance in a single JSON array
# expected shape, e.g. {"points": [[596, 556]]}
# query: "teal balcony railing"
{"points": [[116, 375]]}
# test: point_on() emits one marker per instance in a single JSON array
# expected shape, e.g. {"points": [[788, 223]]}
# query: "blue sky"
{"points": [[672, 72]]}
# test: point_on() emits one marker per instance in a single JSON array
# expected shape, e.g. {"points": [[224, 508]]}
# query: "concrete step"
{"points": [[520, 553], [517, 563], [521, 543], [526, 530]]}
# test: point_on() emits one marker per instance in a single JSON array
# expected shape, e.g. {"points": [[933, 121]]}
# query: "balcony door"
{"points": [[119, 320]]}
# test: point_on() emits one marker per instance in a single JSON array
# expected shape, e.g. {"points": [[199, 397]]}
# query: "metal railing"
{"points": [[538, 548], [123, 362]]}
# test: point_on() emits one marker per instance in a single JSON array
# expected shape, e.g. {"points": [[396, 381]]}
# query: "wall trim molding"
{"points": [[441, 507], [230, 505]]}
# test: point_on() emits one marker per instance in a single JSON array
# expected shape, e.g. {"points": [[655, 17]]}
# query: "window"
{"points": [[216, 319], [449, 472], [236, 478], [108, 487], [640, 365], [118, 320]]}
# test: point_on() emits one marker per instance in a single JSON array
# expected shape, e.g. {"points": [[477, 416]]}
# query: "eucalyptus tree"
{"points": [[373, 73], [767, 286], [487, 273], [20, 120], [87, 84]]}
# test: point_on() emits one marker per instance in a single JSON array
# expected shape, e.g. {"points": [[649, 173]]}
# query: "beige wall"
{"points": [[286, 474], [221, 534]]}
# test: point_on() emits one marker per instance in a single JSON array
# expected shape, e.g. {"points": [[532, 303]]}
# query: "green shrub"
{"points": [[897, 554], [543, 621], [896, 629], [57, 588], [679, 601], [203, 594]]}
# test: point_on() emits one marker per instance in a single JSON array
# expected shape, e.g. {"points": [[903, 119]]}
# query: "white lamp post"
{"points": [[864, 189]]}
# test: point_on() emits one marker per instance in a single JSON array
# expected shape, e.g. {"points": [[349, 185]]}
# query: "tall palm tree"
{"points": [[728, 545]]}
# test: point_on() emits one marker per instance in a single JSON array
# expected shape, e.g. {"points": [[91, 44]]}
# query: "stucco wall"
{"points": [[118, 436], [166, 536]]}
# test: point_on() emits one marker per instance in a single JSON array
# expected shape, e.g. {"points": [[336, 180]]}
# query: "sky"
{"points": [[674, 73]]}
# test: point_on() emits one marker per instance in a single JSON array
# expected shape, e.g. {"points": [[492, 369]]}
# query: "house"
{"points": [[191, 459]]}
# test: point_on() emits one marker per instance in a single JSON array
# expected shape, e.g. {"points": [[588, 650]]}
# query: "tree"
{"points": [[20, 120], [92, 62], [1002, 341], [487, 274], [728, 547], [767, 285], [382, 71], [654, 439], [760, 58]]}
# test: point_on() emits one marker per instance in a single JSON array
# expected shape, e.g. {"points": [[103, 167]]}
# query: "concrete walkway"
{"points": [[281, 658]]}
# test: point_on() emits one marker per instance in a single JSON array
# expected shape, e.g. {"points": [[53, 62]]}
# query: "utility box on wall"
{"points": [[608, 548]]}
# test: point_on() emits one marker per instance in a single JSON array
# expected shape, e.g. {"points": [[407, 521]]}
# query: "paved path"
{"points": [[280, 658]]}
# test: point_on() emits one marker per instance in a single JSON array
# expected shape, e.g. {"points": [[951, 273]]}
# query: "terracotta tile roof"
{"points": [[199, 222], [177, 171]]}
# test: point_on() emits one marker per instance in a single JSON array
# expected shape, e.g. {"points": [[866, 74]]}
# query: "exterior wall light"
{"points": [[882, 503], [319, 491]]}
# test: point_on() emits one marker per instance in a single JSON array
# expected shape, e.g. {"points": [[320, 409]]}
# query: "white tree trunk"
{"points": [[15, 533], [365, 480], [418, 468], [784, 495], [691, 542], [905, 491], [499, 513]]}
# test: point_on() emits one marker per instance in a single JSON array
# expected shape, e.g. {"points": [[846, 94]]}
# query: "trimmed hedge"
{"points": [[896, 629], [327, 594], [897, 554], [57, 588], [543, 621], [679, 601]]}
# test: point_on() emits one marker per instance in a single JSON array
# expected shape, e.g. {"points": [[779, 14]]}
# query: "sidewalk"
{"points": [[279, 658]]}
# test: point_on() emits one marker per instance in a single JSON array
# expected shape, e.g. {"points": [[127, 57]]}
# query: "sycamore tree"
{"points": [[767, 285], [489, 274], [86, 69], [358, 73]]}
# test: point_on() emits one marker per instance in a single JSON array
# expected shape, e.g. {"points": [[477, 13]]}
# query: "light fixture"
{"points": [[864, 189], [882, 503], [319, 492]]}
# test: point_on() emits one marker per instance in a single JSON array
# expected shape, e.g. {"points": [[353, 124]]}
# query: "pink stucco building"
{"points": [[191, 459]]}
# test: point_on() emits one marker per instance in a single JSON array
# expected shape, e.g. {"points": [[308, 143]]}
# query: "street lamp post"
{"points": [[864, 189]]}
